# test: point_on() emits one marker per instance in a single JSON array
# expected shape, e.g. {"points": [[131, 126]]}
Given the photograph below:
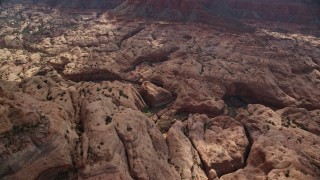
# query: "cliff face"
{"points": [[297, 11], [291, 11]]}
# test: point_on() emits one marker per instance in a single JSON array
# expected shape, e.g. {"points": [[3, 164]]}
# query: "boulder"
{"points": [[155, 96]]}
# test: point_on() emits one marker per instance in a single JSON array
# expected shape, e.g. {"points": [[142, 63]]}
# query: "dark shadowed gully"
{"points": [[159, 89]]}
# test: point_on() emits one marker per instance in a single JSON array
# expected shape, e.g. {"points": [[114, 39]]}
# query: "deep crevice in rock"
{"points": [[152, 56], [79, 130], [235, 101], [203, 164], [129, 35], [127, 156], [246, 153], [93, 76], [63, 172], [248, 149], [240, 94]]}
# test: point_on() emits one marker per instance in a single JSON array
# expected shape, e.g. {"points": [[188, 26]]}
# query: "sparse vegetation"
{"points": [[232, 112], [151, 111], [49, 98], [299, 139], [186, 131], [287, 174], [270, 122], [181, 115], [92, 157], [62, 94], [121, 93], [207, 125], [286, 122], [108, 120], [26, 31], [202, 70], [19, 129], [62, 176], [266, 128], [148, 112]]}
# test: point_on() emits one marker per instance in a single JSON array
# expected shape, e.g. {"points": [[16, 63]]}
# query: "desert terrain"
{"points": [[159, 89]]}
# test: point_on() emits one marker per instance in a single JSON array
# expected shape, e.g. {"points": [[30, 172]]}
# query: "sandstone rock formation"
{"points": [[221, 143], [278, 152], [37, 137], [88, 94], [183, 155], [155, 96]]}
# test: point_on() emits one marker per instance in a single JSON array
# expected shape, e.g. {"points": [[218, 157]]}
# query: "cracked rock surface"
{"points": [[221, 143], [278, 152], [88, 94]]}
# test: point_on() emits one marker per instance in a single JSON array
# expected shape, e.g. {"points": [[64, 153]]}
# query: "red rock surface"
{"points": [[221, 143], [155, 96], [278, 152], [234, 104]]}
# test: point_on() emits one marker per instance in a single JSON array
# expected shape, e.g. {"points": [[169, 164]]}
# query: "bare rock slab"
{"points": [[221, 143], [183, 155]]}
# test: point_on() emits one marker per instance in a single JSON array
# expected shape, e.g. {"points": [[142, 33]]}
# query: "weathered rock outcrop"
{"points": [[221, 143], [37, 138], [123, 143], [183, 155], [301, 118], [277, 152]]}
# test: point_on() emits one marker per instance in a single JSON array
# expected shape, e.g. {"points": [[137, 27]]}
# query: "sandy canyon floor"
{"points": [[90, 95]]}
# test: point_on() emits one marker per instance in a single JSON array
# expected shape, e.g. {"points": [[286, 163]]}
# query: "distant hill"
{"points": [[208, 11], [292, 11]]}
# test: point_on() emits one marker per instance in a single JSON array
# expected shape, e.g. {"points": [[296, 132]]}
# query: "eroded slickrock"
{"points": [[123, 143], [301, 118], [101, 152], [37, 138], [277, 152], [183, 155], [146, 148], [221, 143]]}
